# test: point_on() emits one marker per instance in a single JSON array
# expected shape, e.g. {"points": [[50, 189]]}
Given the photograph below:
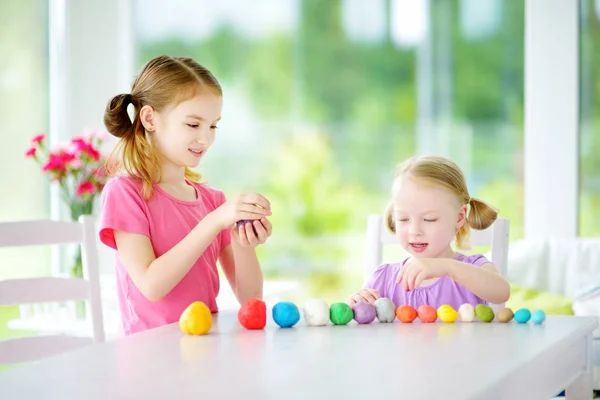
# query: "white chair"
{"points": [[496, 236], [52, 289]]}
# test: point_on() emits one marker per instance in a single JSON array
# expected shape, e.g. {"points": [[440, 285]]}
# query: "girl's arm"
{"points": [[239, 261], [485, 281], [155, 277]]}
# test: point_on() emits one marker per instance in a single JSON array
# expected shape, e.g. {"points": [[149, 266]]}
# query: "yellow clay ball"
{"points": [[196, 319], [446, 313]]}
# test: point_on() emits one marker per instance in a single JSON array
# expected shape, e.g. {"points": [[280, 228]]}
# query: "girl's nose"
{"points": [[415, 229]]}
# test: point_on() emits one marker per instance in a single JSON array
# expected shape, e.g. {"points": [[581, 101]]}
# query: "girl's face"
{"points": [[184, 133], [427, 217]]}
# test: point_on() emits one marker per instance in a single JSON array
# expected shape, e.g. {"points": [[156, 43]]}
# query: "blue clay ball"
{"points": [[286, 314], [523, 315], [538, 317]]}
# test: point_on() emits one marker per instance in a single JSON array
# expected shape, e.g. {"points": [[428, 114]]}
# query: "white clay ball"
{"points": [[466, 312], [386, 309], [316, 312]]}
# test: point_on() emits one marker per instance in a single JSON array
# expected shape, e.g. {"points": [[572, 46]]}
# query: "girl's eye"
{"points": [[194, 126], [214, 127], [430, 220], [403, 219]]}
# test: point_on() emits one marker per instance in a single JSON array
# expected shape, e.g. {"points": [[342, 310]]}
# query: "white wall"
{"points": [[551, 118]]}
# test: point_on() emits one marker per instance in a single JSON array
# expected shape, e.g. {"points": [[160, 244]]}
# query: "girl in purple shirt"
{"points": [[431, 207]]}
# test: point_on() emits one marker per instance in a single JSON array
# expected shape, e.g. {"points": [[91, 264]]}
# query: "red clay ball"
{"points": [[253, 314], [427, 313]]}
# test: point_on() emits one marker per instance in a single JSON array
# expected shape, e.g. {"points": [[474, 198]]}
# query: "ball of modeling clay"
{"points": [[196, 319], [385, 309], [466, 312], [538, 317], [340, 313], [484, 313], [406, 313], [253, 314], [446, 313], [427, 313], [522, 315], [364, 313], [247, 221], [316, 312], [286, 314], [505, 315]]}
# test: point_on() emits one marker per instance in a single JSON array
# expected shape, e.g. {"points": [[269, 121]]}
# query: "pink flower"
{"points": [[86, 187], [99, 135], [81, 146], [31, 152], [67, 157], [38, 138], [76, 164], [55, 163]]}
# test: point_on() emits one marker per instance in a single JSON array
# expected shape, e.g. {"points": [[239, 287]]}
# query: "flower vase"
{"points": [[76, 268]]}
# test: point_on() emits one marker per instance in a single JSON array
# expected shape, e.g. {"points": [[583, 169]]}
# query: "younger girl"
{"points": [[168, 229], [430, 208]]}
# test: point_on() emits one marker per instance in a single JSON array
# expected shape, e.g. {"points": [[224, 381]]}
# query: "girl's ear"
{"points": [[462, 217], [148, 118]]}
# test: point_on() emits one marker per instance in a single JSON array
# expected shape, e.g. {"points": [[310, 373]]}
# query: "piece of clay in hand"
{"points": [[249, 221]]}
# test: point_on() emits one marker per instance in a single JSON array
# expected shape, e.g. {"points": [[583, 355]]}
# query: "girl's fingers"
{"points": [[367, 296], [256, 199], [242, 235], [419, 279], [357, 298], [252, 209], [261, 232], [267, 224], [400, 275], [252, 240]]}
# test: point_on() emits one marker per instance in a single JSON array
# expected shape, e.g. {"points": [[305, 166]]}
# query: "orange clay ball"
{"points": [[406, 314], [427, 313]]}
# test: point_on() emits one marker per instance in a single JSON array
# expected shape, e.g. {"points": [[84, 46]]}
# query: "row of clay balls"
{"points": [[253, 313]]}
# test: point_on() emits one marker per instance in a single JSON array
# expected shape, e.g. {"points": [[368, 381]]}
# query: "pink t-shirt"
{"points": [[165, 220]]}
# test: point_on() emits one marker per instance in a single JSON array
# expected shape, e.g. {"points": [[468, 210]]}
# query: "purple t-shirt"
{"points": [[443, 291]]}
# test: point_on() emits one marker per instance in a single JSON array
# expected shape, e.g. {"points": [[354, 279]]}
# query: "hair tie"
{"points": [[128, 98]]}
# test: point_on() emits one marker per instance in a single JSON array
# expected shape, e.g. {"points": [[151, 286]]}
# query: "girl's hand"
{"points": [[251, 234], [366, 295], [416, 270], [245, 206]]}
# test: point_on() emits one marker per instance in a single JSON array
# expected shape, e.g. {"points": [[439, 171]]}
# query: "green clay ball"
{"points": [[340, 313], [484, 313]]}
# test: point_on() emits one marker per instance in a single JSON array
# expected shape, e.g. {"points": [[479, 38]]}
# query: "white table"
{"points": [[48, 318], [376, 361]]}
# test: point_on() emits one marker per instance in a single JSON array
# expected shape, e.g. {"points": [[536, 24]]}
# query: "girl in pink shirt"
{"points": [[168, 229]]}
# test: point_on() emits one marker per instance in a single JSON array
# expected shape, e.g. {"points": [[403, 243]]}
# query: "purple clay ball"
{"points": [[364, 313], [249, 221]]}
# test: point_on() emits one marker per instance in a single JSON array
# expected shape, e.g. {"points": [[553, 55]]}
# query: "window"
{"points": [[322, 99], [23, 113], [589, 145]]}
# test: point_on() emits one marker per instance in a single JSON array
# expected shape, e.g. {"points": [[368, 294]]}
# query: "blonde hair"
{"points": [[446, 173], [163, 81]]}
